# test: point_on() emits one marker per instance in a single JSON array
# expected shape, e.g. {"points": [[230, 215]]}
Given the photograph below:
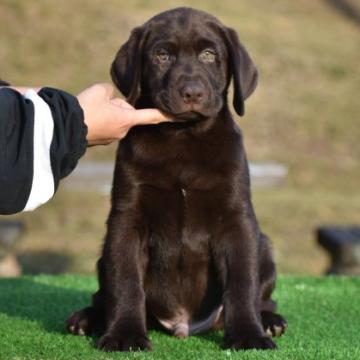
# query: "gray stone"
{"points": [[342, 243]]}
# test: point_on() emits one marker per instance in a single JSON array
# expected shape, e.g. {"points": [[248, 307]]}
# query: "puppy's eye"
{"points": [[207, 56], [163, 56]]}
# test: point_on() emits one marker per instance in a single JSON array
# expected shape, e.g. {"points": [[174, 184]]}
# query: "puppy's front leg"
{"points": [[237, 257], [123, 283]]}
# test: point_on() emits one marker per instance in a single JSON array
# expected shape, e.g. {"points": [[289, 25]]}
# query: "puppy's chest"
{"points": [[184, 164], [187, 178], [184, 190], [185, 198]]}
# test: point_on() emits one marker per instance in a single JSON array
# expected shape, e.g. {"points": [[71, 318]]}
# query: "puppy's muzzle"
{"points": [[192, 93]]}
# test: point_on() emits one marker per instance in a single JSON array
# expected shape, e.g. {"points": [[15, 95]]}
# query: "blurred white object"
{"points": [[10, 233], [267, 174], [9, 266], [97, 175]]}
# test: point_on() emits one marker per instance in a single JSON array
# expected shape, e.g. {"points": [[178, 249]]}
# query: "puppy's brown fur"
{"points": [[183, 247]]}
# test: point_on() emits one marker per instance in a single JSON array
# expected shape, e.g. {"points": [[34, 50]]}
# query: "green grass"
{"points": [[304, 114], [323, 316]]}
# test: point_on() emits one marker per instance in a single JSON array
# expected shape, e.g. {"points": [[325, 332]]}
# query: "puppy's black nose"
{"points": [[192, 93]]}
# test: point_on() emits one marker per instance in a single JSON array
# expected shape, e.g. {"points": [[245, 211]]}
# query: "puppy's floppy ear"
{"points": [[126, 67], [242, 69]]}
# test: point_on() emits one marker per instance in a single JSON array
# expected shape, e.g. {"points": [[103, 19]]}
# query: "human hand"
{"points": [[109, 119]]}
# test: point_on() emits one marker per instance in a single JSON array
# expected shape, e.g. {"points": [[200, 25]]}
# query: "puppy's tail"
{"points": [[206, 324]]}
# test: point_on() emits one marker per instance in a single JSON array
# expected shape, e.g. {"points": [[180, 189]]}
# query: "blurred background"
{"points": [[304, 115]]}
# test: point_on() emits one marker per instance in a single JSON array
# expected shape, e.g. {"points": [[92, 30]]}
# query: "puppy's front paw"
{"points": [[248, 342], [274, 324], [110, 342]]}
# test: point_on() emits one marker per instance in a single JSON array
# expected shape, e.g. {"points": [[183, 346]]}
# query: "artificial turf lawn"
{"points": [[323, 316]]}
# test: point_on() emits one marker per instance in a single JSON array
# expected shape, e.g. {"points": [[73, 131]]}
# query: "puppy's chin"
{"points": [[187, 113], [189, 116], [180, 112]]}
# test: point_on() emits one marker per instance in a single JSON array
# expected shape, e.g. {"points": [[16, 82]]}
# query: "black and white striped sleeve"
{"points": [[42, 137]]}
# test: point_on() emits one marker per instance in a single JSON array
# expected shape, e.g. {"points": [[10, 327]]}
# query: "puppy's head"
{"points": [[181, 61]]}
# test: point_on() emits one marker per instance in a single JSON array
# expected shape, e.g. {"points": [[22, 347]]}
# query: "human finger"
{"points": [[150, 116], [121, 103], [101, 142]]}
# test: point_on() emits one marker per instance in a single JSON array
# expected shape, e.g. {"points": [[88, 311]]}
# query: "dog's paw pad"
{"points": [[274, 324]]}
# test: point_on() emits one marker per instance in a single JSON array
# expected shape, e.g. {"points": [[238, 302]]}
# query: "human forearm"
{"points": [[42, 136]]}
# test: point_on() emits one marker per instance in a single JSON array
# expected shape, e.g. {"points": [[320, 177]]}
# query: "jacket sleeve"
{"points": [[42, 137]]}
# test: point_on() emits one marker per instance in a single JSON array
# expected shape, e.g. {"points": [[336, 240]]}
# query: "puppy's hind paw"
{"points": [[79, 323], [273, 324]]}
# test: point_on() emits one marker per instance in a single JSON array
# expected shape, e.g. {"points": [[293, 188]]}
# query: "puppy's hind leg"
{"points": [[91, 319]]}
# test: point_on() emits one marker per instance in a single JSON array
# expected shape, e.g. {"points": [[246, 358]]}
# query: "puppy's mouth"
{"points": [[180, 113], [189, 116]]}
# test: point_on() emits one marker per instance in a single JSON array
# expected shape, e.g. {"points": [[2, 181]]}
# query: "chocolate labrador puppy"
{"points": [[183, 248]]}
